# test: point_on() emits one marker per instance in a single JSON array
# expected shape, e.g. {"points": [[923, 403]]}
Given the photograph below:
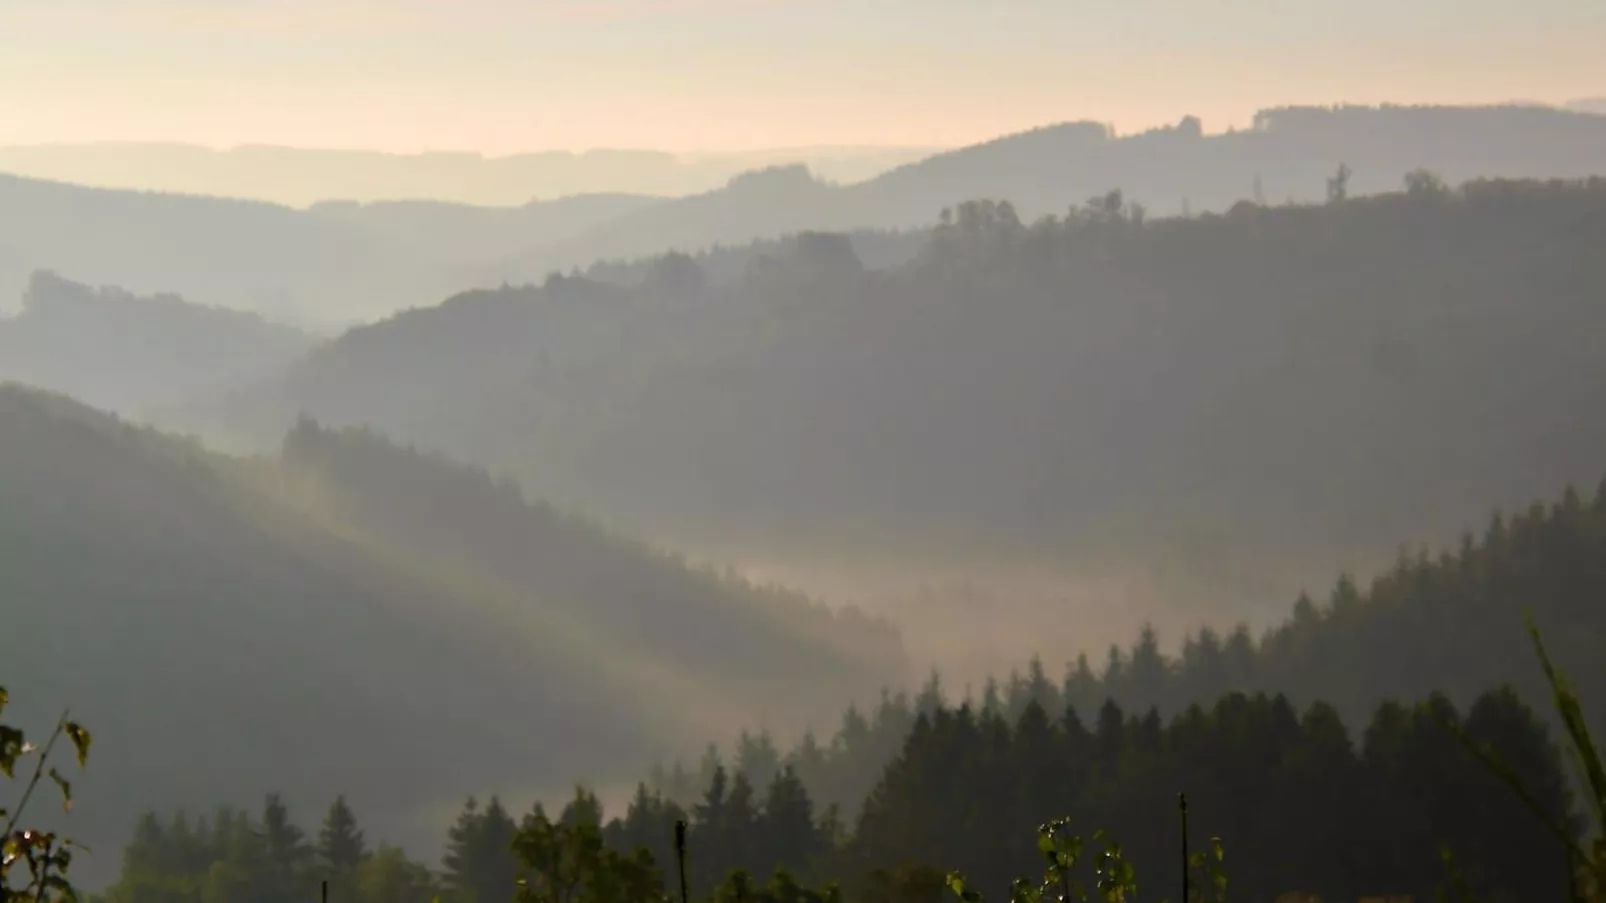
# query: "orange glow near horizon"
{"points": [[505, 76]]}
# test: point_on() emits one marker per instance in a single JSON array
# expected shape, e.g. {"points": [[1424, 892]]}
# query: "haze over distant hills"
{"points": [[133, 353], [1287, 155], [1013, 403], [301, 177], [1280, 383], [335, 265]]}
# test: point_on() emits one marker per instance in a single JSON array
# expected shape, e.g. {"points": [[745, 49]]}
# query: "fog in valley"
{"points": [[455, 494]]}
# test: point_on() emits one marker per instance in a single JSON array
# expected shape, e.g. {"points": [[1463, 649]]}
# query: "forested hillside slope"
{"points": [[1444, 622], [1334, 377], [1287, 155], [131, 353], [339, 263], [232, 625]]}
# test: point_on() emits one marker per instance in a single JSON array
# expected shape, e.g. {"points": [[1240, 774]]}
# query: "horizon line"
{"points": [[1574, 105]]}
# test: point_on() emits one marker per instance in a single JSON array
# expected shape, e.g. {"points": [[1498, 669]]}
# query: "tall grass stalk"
{"points": [[1588, 862]]}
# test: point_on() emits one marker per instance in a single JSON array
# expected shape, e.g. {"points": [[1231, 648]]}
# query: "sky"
{"points": [[503, 76]]}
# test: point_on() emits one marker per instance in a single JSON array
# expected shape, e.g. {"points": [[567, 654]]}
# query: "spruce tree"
{"points": [[288, 855], [341, 847], [462, 846], [788, 835]]}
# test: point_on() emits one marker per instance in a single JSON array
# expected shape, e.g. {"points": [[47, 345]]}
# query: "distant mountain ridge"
{"points": [[1287, 155], [300, 177], [334, 266]]}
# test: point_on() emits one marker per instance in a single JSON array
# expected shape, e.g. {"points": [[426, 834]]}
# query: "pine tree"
{"points": [[1148, 673], [462, 849], [288, 855], [757, 757], [787, 833], [479, 866], [341, 847], [498, 872], [584, 808]]}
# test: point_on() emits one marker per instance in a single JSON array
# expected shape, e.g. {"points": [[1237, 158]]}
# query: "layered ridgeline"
{"points": [[326, 267], [351, 617], [1287, 155], [1300, 380], [1449, 623], [340, 262], [114, 349], [305, 176]]}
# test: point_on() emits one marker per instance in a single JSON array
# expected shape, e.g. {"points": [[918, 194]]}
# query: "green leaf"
{"points": [[66, 789], [10, 749], [80, 740]]}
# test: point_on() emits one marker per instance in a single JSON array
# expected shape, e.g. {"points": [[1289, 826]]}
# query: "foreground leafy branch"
{"points": [[33, 863], [1114, 880], [1589, 862]]}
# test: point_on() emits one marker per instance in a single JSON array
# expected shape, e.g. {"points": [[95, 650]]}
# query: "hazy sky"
{"points": [[508, 75]]}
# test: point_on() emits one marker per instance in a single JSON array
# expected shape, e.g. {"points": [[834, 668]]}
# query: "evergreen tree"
{"points": [[341, 847], [787, 833], [479, 865], [464, 857], [289, 857]]}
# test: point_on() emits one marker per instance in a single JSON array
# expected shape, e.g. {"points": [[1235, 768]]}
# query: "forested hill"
{"points": [[1449, 622], [340, 263], [650, 605], [228, 631], [1340, 802], [1332, 377], [127, 352], [1286, 155]]}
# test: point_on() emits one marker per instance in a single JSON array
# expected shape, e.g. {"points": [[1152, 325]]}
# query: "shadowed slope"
{"points": [[227, 636]]}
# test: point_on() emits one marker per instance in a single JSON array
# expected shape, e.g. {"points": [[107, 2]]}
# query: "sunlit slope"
{"points": [[760, 645], [227, 636]]}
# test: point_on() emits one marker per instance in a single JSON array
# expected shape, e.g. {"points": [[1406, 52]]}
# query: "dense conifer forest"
{"points": [[1446, 622], [1302, 805]]}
